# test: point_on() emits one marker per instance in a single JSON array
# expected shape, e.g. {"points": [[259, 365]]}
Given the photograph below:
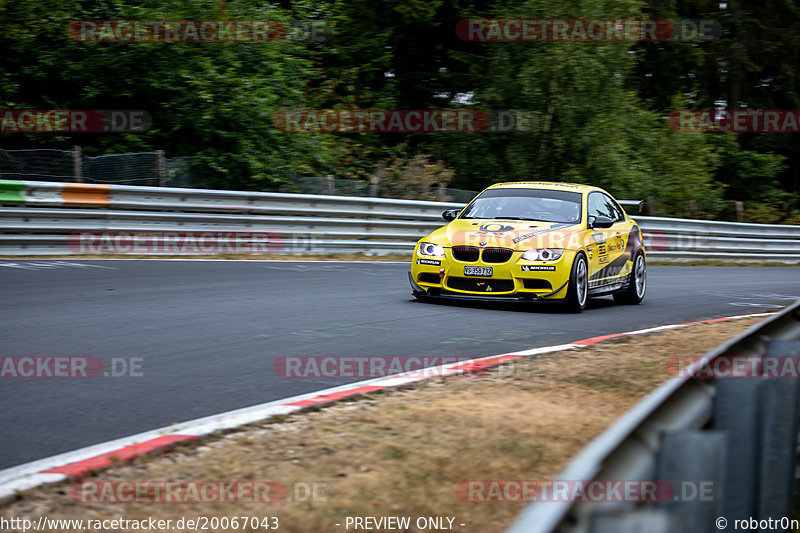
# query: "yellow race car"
{"points": [[533, 241]]}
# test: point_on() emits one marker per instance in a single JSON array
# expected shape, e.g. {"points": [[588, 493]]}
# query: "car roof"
{"points": [[552, 185]]}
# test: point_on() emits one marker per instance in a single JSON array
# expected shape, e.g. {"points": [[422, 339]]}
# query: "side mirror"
{"points": [[600, 222], [450, 214]]}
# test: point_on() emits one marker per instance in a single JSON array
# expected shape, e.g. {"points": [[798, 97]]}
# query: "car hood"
{"points": [[514, 234]]}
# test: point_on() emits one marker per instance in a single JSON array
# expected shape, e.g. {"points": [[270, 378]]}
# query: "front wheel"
{"points": [[578, 288], [637, 283]]}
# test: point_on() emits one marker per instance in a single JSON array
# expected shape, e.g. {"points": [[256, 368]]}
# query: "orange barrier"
{"points": [[76, 194]]}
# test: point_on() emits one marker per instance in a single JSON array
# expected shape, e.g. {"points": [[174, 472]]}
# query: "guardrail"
{"points": [[45, 218], [739, 434]]}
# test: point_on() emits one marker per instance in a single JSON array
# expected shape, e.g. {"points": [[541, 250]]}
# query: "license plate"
{"points": [[478, 271]]}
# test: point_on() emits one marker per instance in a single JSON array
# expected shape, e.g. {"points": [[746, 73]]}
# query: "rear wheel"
{"points": [[578, 288], [637, 283]]}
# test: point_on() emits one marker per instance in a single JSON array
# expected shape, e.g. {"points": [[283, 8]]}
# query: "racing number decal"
{"points": [[602, 254], [602, 248]]}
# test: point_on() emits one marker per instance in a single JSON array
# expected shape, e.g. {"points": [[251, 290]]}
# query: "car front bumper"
{"points": [[434, 292], [514, 280]]}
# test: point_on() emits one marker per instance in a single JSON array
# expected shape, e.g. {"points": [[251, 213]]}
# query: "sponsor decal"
{"points": [[530, 234], [548, 184], [495, 228], [602, 248], [541, 232], [610, 271], [534, 268], [428, 262]]}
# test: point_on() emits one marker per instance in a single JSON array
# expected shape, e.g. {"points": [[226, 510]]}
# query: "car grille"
{"points": [[481, 285], [468, 254], [429, 277], [496, 255]]}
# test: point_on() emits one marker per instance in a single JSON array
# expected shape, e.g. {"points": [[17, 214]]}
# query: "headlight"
{"points": [[430, 249], [544, 254]]}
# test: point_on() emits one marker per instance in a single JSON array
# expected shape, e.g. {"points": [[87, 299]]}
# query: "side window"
{"points": [[597, 206], [614, 209]]}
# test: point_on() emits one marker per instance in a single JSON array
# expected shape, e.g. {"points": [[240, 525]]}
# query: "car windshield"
{"points": [[526, 204]]}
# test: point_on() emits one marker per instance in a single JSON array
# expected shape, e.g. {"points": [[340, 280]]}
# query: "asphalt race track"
{"points": [[207, 332]]}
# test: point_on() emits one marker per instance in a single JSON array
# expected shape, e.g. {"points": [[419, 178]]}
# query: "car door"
{"points": [[619, 251], [607, 250]]}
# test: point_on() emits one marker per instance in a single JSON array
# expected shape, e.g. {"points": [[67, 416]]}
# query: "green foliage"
{"points": [[591, 129], [212, 101], [598, 108]]}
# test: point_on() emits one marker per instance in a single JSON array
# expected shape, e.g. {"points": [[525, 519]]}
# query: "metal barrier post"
{"points": [[779, 433], [77, 164], [737, 410], [692, 461]]}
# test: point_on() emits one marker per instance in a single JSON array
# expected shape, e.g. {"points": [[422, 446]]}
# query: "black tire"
{"points": [[578, 287], [637, 283]]}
